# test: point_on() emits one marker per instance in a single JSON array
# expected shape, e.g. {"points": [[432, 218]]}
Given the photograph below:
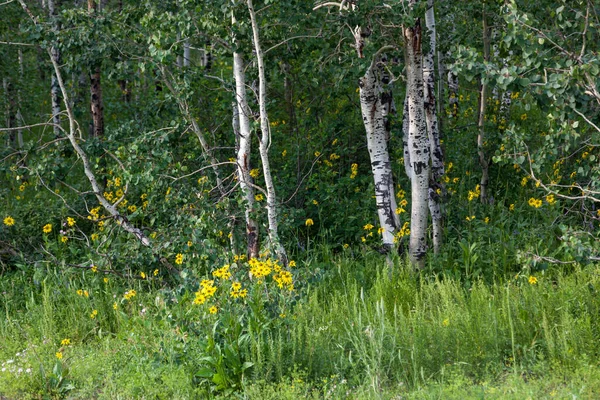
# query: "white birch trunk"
{"points": [[375, 103], [437, 157], [264, 142], [244, 135], [418, 144]]}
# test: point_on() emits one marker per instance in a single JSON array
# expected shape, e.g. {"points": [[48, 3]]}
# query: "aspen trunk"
{"points": [[437, 157], [483, 184], [244, 135], [375, 104], [264, 142], [418, 144]]}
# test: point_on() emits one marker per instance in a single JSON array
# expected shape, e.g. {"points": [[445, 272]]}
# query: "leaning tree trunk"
{"points": [[375, 104], [242, 120], [264, 142], [437, 157], [418, 144], [483, 162]]}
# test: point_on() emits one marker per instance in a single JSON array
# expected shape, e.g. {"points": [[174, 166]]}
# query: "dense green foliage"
{"points": [[508, 308]]}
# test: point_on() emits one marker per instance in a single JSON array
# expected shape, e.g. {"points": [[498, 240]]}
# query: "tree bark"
{"points": [[418, 144], [375, 104], [244, 138], [437, 157], [264, 143]]}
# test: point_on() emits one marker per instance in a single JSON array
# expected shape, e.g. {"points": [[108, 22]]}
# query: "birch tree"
{"points": [[375, 105], [418, 142], [244, 138], [437, 157], [265, 141]]}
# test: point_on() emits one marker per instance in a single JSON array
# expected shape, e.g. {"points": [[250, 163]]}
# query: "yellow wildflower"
{"points": [[179, 259], [47, 228], [142, 275], [9, 221], [368, 227], [155, 272], [94, 269], [259, 197], [59, 355], [213, 310], [70, 221], [93, 314], [532, 280], [65, 342], [254, 173], [309, 222], [64, 239]]}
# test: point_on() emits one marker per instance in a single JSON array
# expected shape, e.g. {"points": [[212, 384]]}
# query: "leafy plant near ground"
{"points": [[349, 331]]}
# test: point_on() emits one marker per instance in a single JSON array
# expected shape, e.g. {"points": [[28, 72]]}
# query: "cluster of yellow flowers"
{"points": [[94, 213], [93, 314], [260, 269], [533, 202], [128, 295], [284, 278], [82, 292], [474, 194], [237, 258], [353, 170], [237, 291], [404, 231], [206, 291], [222, 273]]}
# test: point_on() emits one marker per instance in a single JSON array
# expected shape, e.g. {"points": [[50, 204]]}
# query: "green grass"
{"points": [[357, 331]]}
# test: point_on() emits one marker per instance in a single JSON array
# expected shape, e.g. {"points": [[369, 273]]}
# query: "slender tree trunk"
{"points": [[483, 162], [11, 120], [96, 104], [264, 142], [418, 144], [375, 104], [244, 137], [453, 102], [437, 157], [54, 89], [186, 52], [20, 119]]}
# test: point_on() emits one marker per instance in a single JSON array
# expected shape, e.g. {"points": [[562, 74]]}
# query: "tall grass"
{"points": [[360, 327]]}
